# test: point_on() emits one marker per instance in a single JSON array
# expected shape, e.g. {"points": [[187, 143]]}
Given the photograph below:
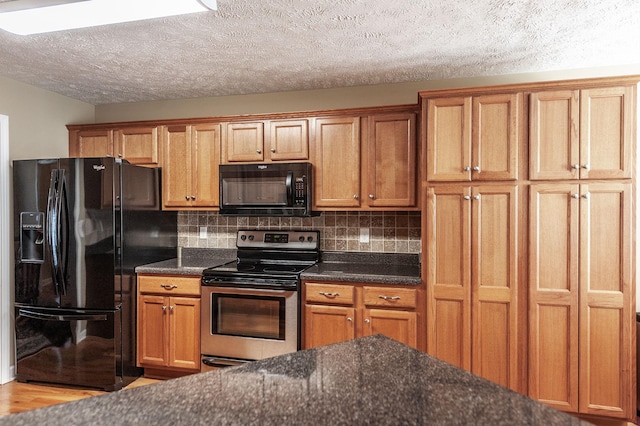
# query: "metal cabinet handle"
{"points": [[586, 166], [258, 151], [273, 150], [355, 196], [467, 169], [576, 196], [186, 197], [372, 196], [586, 196], [476, 197], [349, 319], [389, 297], [168, 286], [164, 307], [576, 166], [367, 321], [476, 169], [324, 293], [171, 308], [467, 197], [193, 197]]}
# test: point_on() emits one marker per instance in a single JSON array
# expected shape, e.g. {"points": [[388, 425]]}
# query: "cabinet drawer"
{"points": [[389, 297], [329, 293], [161, 284]]}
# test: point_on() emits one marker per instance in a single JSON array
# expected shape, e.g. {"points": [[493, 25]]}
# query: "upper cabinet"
{"points": [[391, 161], [264, 141], [91, 143], [138, 145], [473, 138], [581, 134], [190, 170], [365, 162], [337, 162]]}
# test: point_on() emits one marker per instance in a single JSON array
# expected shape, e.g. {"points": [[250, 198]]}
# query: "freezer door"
{"points": [[71, 347]]}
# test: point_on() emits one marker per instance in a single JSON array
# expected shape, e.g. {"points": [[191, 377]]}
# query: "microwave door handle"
{"points": [[289, 184]]}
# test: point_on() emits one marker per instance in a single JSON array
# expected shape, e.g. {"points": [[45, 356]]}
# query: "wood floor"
{"points": [[17, 397]]}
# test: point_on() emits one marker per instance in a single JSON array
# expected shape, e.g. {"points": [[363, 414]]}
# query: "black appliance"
{"points": [[81, 226], [273, 189], [250, 307]]}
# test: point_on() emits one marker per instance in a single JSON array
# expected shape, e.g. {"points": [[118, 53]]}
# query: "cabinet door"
{"points": [[496, 136], [606, 132], [337, 162], [554, 145], [398, 325], [139, 145], [391, 160], [289, 140], [91, 143], [448, 274], [184, 332], [243, 142], [324, 325], [553, 295], [495, 342], [176, 169], [606, 305], [449, 139], [205, 153], [153, 338]]}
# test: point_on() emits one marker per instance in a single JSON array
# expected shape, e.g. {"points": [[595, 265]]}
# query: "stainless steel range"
{"points": [[250, 307]]}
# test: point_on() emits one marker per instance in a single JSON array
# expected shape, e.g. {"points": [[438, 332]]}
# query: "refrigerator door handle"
{"points": [[54, 204], [57, 317]]}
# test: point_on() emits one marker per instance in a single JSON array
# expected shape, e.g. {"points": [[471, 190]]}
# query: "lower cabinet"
{"points": [[168, 325], [335, 312]]}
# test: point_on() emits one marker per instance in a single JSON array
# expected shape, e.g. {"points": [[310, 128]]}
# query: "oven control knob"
{"points": [[309, 238], [251, 237], [243, 237], [301, 239]]}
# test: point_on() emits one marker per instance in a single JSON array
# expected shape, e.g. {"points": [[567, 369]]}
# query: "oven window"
{"points": [[263, 191], [248, 316]]}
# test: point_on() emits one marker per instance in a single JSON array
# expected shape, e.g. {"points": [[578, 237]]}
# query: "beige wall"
{"points": [[348, 97], [37, 119]]}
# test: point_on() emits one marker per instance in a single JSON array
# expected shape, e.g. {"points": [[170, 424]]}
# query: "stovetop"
{"points": [[268, 255]]}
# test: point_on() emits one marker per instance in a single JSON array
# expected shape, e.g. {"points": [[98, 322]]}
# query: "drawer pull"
{"points": [[324, 293], [389, 297], [168, 286]]}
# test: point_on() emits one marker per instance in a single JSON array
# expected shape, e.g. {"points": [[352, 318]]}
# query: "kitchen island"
{"points": [[372, 380]]}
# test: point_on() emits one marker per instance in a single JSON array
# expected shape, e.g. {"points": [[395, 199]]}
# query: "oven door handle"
{"points": [[218, 362], [289, 186]]}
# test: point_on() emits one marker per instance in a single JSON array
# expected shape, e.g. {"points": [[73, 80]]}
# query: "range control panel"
{"points": [[289, 240]]}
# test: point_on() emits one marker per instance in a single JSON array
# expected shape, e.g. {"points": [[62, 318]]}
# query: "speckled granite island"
{"points": [[372, 380]]}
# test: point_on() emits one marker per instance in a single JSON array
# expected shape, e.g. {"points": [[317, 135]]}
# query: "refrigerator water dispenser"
{"points": [[32, 237]]}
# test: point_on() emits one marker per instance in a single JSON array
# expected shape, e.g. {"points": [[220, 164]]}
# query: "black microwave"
{"points": [[266, 189]]}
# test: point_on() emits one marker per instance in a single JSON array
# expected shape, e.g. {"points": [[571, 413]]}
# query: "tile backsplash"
{"points": [[389, 232]]}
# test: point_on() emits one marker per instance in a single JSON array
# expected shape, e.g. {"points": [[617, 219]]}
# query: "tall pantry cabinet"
{"points": [[528, 238], [472, 233], [581, 283]]}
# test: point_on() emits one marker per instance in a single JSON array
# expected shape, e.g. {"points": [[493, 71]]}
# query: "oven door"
{"points": [[248, 323]]}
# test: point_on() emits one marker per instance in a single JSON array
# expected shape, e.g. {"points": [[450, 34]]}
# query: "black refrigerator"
{"points": [[81, 226]]}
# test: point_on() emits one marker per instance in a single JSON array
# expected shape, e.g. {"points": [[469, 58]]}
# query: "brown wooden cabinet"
{"points": [[335, 312], [190, 167], [168, 325], [264, 141], [138, 145], [581, 134], [473, 304], [91, 143], [581, 305], [473, 137], [365, 163]]}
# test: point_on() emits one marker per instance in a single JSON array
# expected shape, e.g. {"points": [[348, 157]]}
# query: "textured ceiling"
{"points": [[250, 46]]}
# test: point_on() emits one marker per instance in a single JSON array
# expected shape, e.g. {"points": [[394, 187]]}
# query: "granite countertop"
{"points": [[371, 380], [192, 262], [384, 268]]}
